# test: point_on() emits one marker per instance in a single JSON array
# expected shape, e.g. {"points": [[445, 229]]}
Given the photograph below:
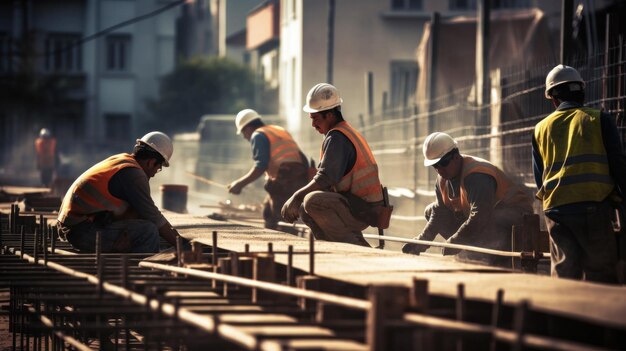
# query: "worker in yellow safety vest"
{"points": [[345, 196], [476, 203], [276, 154], [579, 169], [113, 198]]}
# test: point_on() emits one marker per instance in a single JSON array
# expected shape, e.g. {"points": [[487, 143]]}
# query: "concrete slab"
{"points": [[599, 303]]}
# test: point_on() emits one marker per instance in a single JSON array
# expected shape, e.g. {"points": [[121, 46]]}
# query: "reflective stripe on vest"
{"points": [[362, 180], [282, 148], [89, 194], [46, 149], [507, 193], [575, 163]]}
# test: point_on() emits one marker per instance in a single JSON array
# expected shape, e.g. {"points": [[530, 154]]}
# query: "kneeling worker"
{"points": [[345, 196], [113, 198], [276, 153], [476, 202]]}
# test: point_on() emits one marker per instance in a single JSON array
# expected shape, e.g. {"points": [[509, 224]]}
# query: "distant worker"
{"points": [[477, 204], [46, 148], [345, 196], [113, 198], [276, 154], [578, 165]]}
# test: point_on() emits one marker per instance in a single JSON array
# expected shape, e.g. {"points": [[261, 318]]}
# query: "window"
{"points": [[6, 53], [403, 82], [406, 4], [62, 53], [117, 57], [117, 126]]}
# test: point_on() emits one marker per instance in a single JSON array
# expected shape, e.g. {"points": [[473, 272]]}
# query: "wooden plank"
{"points": [[313, 345]]}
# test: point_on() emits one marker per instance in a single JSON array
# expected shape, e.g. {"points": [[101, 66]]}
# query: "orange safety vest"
{"points": [[507, 192], [46, 150], [362, 180], [90, 195], [283, 148]]}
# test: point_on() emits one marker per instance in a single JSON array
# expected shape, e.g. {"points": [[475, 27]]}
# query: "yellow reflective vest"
{"points": [[575, 164]]}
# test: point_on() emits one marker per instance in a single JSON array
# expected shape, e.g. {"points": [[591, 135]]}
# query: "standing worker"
{"points": [[477, 204], [345, 196], [46, 148], [113, 198], [578, 165], [276, 153]]}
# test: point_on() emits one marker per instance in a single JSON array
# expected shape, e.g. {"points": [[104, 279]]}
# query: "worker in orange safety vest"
{"points": [[345, 195], [46, 148], [276, 154]]}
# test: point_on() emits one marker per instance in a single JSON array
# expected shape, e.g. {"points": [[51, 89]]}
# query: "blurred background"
{"points": [[101, 73]]}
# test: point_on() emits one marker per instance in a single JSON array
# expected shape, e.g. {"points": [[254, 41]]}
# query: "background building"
{"points": [[85, 69]]}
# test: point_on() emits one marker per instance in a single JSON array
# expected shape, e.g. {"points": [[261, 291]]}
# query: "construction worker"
{"points": [[113, 198], [46, 149], [477, 204], [345, 196], [276, 154], [578, 165]]}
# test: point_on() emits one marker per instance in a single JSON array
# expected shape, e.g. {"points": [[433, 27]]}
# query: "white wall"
{"points": [[151, 57], [113, 12], [117, 95], [290, 91], [366, 39]]}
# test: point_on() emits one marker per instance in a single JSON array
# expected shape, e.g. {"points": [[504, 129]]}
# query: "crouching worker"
{"points": [[276, 154], [345, 196], [113, 198], [477, 204]]}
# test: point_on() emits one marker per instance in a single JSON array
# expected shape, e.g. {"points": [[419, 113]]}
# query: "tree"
{"points": [[202, 86]]}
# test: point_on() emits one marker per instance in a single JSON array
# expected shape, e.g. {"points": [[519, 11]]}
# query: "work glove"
{"points": [[291, 209], [234, 188], [446, 251], [185, 244], [414, 249]]}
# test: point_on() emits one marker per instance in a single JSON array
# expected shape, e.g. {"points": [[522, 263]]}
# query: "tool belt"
{"points": [[375, 214]]}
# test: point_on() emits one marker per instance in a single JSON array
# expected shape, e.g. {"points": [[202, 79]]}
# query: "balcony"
{"points": [[262, 26]]}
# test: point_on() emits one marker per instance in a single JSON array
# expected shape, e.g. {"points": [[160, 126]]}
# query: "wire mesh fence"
{"points": [[500, 131]]}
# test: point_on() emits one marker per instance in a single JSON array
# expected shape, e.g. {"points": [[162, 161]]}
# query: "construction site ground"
{"points": [[358, 266]]}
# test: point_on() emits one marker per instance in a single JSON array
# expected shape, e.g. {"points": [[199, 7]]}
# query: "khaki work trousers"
{"points": [[329, 217], [291, 177]]}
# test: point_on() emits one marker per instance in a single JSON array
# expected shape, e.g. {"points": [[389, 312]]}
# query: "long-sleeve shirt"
{"points": [[131, 185], [260, 150], [339, 158], [481, 194], [614, 153]]}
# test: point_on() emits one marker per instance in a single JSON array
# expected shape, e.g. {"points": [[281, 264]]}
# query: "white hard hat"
{"points": [[436, 146], [244, 117], [160, 143], [322, 97], [562, 74], [44, 132]]}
